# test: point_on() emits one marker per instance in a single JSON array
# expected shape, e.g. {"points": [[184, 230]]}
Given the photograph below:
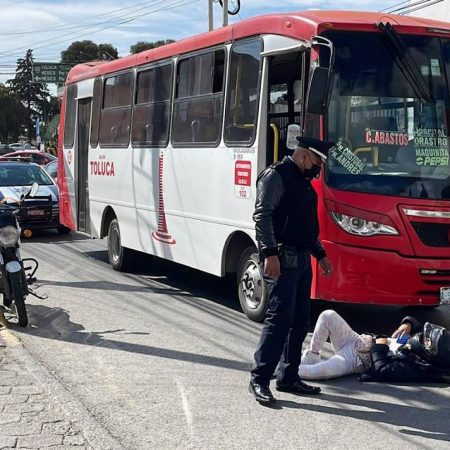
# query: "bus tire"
{"points": [[252, 290], [120, 258]]}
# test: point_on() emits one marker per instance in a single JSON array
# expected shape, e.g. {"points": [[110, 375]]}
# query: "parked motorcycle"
{"points": [[15, 273]]}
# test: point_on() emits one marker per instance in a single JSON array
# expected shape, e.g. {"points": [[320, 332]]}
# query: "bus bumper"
{"points": [[381, 277]]}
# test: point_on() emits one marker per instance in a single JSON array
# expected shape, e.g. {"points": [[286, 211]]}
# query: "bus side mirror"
{"points": [[320, 82], [318, 91]]}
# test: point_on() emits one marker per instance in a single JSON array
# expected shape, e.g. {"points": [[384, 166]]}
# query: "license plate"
{"points": [[36, 212], [445, 296]]}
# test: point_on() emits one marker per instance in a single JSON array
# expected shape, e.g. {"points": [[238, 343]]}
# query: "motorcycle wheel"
{"points": [[19, 298]]}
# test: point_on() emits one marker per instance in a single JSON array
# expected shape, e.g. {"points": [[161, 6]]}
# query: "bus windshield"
{"points": [[390, 139]]}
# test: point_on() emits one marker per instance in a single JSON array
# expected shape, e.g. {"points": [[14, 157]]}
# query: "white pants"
{"points": [[345, 361]]}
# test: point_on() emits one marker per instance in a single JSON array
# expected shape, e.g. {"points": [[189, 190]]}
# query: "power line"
{"points": [[388, 9], [110, 23], [407, 11], [405, 7], [75, 25]]}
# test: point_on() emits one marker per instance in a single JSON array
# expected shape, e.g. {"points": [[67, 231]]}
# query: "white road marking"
{"points": [[186, 407]]}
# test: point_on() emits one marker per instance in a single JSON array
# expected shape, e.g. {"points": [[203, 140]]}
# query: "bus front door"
{"points": [[82, 164], [286, 91]]}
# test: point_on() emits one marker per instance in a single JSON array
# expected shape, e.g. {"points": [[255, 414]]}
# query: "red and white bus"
{"points": [[160, 151]]}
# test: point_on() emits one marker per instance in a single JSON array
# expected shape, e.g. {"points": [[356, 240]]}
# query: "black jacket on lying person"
{"points": [[426, 357]]}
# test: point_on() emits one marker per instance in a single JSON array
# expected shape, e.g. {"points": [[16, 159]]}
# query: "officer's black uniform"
{"points": [[286, 225]]}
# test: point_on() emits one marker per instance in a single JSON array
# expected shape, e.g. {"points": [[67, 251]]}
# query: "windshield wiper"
{"points": [[406, 63]]}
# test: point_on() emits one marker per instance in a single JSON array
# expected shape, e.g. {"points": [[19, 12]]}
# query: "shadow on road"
{"points": [[52, 236], [344, 397], [428, 421], [55, 323], [156, 275]]}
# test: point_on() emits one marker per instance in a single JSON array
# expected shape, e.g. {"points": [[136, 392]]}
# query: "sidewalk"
{"points": [[30, 417]]}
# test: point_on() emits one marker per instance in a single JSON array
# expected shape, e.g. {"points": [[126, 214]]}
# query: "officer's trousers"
{"points": [[286, 322]]}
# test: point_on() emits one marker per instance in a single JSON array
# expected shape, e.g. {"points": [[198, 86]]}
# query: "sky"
{"points": [[50, 26]]}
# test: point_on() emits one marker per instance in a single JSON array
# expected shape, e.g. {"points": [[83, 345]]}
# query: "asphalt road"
{"points": [[161, 359]]}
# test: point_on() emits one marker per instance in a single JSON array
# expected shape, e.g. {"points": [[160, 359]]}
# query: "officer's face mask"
{"points": [[314, 172]]}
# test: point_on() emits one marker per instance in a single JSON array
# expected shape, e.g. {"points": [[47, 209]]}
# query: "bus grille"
{"points": [[433, 234]]}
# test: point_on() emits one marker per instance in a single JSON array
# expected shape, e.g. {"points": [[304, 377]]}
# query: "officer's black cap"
{"points": [[320, 148]]}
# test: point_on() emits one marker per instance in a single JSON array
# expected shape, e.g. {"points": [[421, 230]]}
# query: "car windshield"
{"points": [[22, 175], [390, 139]]}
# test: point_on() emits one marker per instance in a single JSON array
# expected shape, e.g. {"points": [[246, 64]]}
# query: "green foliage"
{"points": [[84, 51], [80, 51], [12, 115], [107, 52], [143, 45], [34, 96]]}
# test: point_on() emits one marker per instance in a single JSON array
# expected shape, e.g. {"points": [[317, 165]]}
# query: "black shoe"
{"points": [[261, 392], [298, 387]]}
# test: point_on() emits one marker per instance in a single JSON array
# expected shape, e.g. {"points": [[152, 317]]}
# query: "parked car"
{"points": [[16, 146], [39, 212], [4, 149], [52, 169], [35, 156]]}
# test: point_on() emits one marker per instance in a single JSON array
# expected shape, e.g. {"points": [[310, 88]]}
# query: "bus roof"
{"points": [[303, 25]]}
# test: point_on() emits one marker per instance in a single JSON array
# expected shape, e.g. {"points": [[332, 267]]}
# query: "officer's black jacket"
{"points": [[286, 210]]}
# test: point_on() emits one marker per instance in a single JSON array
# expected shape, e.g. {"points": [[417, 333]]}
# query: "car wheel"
{"points": [[252, 290], [120, 258]]}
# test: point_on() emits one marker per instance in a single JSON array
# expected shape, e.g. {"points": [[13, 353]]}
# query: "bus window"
{"points": [[197, 114], [71, 108], [152, 109], [242, 96], [96, 107], [116, 111]]}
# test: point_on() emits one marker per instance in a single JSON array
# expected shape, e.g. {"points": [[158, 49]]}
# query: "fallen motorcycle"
{"points": [[15, 273]]}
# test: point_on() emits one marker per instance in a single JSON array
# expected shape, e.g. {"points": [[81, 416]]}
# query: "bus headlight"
{"points": [[362, 227], [9, 236]]}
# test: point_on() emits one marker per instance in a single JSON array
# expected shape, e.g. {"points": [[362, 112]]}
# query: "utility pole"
{"points": [[224, 4], [210, 15], [225, 12]]}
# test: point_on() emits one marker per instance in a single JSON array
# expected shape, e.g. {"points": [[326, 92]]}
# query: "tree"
{"points": [[84, 51], [33, 95], [12, 115], [107, 52], [80, 51], [144, 45], [50, 115]]}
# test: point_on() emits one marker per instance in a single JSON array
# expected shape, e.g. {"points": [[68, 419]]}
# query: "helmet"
{"points": [[433, 344]]}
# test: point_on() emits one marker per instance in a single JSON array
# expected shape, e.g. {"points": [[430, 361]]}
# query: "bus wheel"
{"points": [[119, 257], [251, 287]]}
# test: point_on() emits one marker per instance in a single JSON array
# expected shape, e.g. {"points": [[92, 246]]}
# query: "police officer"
{"points": [[287, 232]]}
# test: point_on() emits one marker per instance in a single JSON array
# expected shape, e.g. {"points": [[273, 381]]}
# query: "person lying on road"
{"points": [[415, 352]]}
